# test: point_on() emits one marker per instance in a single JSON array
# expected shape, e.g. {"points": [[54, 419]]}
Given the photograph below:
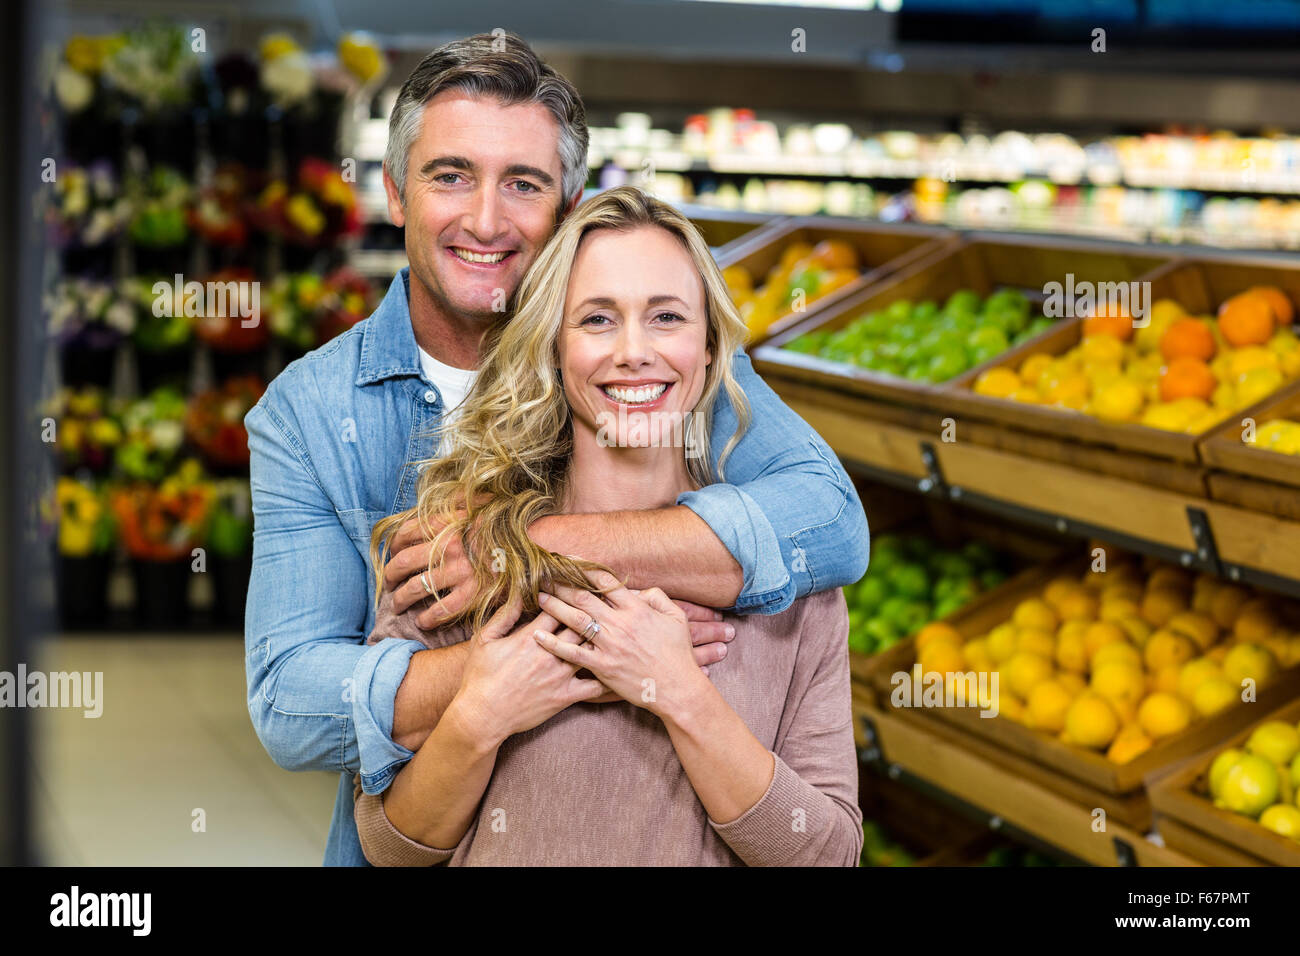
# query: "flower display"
{"points": [[159, 203], [94, 314], [153, 332], [230, 533], [153, 431], [361, 56], [348, 298], [223, 323], [286, 72], [218, 211], [292, 307], [164, 522], [85, 522], [89, 207], [214, 420], [86, 430], [319, 209], [153, 67]]}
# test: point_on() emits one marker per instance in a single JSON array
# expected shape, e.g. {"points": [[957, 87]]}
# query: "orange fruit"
{"points": [[835, 254], [1283, 310], [1246, 319], [937, 631], [1187, 377], [1190, 338], [1109, 322]]}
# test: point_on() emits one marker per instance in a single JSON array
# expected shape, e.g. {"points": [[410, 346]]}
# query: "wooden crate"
{"points": [[1200, 285], [1224, 449], [724, 228], [983, 264], [1078, 764], [883, 250], [1282, 501], [1182, 804]]}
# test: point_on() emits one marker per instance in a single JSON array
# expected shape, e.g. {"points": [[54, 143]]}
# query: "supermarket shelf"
{"points": [[1195, 532], [1007, 802]]}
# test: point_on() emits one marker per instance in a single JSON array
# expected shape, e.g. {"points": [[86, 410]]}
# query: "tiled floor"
{"points": [[174, 737]]}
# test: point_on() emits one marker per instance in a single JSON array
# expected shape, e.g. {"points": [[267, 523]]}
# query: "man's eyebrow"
{"points": [[460, 162], [455, 162], [520, 169]]}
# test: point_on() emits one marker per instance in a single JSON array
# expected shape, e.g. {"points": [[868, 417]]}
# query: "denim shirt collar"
{"points": [[388, 346]]}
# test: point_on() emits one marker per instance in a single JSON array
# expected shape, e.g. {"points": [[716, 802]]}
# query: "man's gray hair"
{"points": [[501, 66]]}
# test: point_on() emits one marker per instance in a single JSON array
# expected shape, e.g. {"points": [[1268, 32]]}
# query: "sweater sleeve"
{"points": [[809, 815], [381, 842]]}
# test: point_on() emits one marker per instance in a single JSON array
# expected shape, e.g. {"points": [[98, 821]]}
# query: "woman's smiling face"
{"points": [[633, 341]]}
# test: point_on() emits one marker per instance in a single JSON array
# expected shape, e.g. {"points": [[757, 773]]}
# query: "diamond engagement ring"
{"points": [[590, 631]]}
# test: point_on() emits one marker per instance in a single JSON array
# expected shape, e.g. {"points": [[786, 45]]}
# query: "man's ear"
{"points": [[572, 205], [396, 210]]}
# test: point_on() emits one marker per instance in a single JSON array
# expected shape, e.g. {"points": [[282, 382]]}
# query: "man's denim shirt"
{"points": [[334, 442]]}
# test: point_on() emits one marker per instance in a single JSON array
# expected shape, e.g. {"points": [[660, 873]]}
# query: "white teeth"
{"points": [[476, 257], [634, 396]]}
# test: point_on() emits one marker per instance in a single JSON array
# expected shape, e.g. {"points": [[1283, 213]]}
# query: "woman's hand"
{"points": [[642, 651], [510, 684]]}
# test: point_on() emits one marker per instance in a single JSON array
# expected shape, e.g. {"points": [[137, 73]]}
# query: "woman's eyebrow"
{"points": [[605, 302]]}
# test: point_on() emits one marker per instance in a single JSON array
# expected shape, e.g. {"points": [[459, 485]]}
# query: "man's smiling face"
{"points": [[483, 194]]}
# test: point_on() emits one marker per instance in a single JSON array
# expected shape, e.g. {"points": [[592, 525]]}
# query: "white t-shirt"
{"points": [[453, 384]]}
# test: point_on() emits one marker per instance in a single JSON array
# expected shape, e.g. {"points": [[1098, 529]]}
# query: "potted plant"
{"points": [[162, 335], [84, 554], [313, 212], [153, 432], [349, 297], [159, 225], [87, 320], [292, 306], [237, 341], [214, 422], [87, 432], [161, 526], [230, 550]]}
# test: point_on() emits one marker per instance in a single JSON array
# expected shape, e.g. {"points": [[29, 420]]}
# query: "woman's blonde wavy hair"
{"points": [[511, 442]]}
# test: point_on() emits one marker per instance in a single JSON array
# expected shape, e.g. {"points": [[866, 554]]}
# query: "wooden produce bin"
{"points": [[883, 250], [724, 228], [1200, 286], [1076, 772], [983, 264], [1188, 821], [1251, 477]]}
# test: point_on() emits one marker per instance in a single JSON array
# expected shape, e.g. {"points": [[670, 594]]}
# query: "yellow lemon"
{"points": [[1073, 683], [1258, 384], [1090, 721], [1249, 661], [1119, 401], [1011, 708], [1033, 367], [1116, 652], [1193, 674], [1164, 680], [1161, 604], [937, 631], [1255, 622], [1026, 394], [977, 654], [1101, 349], [1081, 606], [1163, 715], [1283, 820], [1227, 603], [1168, 576], [1138, 630], [1002, 641], [1224, 397], [1036, 641], [1071, 651], [1250, 787], [1165, 648], [997, 382], [1219, 768], [1101, 633], [1250, 359], [1116, 608], [1060, 588], [1275, 740], [1130, 742], [1047, 704], [1123, 685], [1213, 695], [1024, 671], [1035, 612], [1200, 628], [943, 658]]}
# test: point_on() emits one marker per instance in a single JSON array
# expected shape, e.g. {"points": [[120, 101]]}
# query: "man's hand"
{"points": [[453, 577]]}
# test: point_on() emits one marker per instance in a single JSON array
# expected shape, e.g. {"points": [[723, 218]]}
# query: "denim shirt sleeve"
{"points": [[788, 512], [319, 698]]}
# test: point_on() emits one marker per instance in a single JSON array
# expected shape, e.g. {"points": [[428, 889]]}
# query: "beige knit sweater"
{"points": [[600, 784]]}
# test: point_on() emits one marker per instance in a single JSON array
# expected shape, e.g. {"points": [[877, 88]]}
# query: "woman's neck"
{"points": [[607, 478]]}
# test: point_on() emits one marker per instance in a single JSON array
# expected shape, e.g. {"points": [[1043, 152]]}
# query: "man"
{"points": [[486, 155]]}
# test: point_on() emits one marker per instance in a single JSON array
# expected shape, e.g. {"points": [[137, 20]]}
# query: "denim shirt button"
{"points": [[430, 396]]}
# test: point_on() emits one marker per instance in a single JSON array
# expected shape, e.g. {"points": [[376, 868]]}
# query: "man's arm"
{"points": [[788, 518], [319, 698]]}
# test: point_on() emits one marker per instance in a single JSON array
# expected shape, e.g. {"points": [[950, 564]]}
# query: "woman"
{"points": [[597, 396]]}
